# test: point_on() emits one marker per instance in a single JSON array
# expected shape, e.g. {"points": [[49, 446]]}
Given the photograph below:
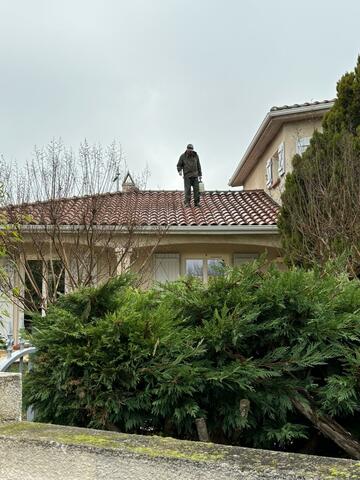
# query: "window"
{"points": [[269, 175], [215, 267], [275, 166], [281, 159], [302, 144], [166, 267], [34, 293], [204, 268], [43, 281], [195, 267]]}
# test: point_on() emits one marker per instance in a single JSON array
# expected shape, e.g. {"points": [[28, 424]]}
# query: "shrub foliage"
{"points": [[115, 357]]}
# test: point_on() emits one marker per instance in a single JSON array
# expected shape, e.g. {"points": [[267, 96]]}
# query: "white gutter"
{"points": [[269, 117], [223, 229], [163, 229]]}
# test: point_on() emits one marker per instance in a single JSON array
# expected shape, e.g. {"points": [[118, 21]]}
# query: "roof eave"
{"points": [[166, 229], [223, 229]]}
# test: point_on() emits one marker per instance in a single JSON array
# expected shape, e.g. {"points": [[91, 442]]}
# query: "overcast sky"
{"points": [[157, 74]]}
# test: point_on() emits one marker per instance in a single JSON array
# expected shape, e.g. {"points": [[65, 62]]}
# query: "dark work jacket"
{"points": [[189, 163]]}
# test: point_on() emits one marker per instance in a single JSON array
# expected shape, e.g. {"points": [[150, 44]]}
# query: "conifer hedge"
{"points": [[320, 215], [242, 352]]}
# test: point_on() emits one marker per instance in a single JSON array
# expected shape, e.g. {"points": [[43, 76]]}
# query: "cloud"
{"points": [[157, 75]]}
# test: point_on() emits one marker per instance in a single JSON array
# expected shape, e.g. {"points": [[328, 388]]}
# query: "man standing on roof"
{"points": [[189, 166]]}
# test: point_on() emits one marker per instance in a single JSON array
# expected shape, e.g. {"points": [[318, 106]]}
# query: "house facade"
{"points": [[85, 240], [284, 132], [71, 242]]}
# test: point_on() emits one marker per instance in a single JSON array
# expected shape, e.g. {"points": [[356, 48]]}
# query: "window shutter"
{"points": [[281, 157], [166, 267], [242, 258], [269, 179], [302, 144]]}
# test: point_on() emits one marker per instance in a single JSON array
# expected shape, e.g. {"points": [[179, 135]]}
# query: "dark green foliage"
{"points": [[153, 361], [319, 218], [101, 363], [345, 116]]}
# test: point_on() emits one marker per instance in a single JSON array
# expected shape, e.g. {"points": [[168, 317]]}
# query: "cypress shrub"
{"points": [[239, 352]]}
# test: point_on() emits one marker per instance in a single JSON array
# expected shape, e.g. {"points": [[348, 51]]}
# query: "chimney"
{"points": [[128, 184]]}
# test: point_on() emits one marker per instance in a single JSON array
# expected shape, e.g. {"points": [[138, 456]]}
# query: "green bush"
{"points": [[152, 362], [319, 217]]}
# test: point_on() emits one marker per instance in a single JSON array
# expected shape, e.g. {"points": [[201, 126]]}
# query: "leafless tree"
{"points": [[56, 171], [47, 255]]}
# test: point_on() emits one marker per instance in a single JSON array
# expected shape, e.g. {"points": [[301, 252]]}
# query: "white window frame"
{"points": [[204, 257], [302, 143], [269, 173], [281, 159]]}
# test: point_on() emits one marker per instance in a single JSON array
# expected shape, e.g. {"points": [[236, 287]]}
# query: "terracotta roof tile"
{"points": [[305, 104], [156, 207]]}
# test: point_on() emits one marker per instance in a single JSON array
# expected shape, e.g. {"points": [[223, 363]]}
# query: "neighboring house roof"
{"points": [[327, 104], [270, 126], [153, 208]]}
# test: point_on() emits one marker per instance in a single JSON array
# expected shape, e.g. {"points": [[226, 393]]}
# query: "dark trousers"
{"points": [[188, 183]]}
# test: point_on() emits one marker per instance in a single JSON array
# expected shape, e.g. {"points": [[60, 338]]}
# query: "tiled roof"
{"points": [[153, 208], [300, 105]]}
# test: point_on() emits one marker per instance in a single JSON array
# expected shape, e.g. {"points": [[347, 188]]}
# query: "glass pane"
{"points": [[215, 267], [302, 144], [195, 267]]}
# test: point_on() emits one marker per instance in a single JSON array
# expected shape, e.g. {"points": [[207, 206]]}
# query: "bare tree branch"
{"points": [[70, 256]]}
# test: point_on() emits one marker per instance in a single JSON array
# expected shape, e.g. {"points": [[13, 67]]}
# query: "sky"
{"points": [[155, 75]]}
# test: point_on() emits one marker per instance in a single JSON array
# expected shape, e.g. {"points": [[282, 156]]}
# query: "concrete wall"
{"points": [[289, 133], [10, 397], [32, 451]]}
